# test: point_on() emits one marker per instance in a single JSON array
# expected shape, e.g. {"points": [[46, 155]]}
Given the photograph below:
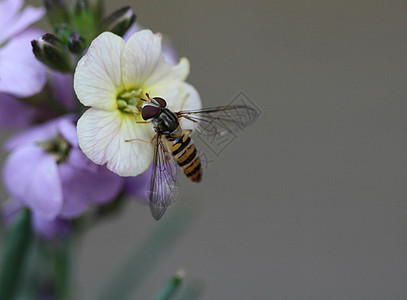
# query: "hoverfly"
{"points": [[173, 146]]}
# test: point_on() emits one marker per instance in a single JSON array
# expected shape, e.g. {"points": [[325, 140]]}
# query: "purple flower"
{"points": [[139, 186], [20, 73], [47, 172], [61, 86], [14, 113]]}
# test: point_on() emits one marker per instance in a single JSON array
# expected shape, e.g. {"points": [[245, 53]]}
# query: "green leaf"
{"points": [[62, 259], [142, 261], [171, 287], [16, 244]]}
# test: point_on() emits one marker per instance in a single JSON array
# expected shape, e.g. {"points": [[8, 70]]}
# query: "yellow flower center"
{"points": [[130, 101], [58, 147]]}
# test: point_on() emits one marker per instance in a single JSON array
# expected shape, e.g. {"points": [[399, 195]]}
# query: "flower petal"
{"points": [[21, 74], [168, 48], [169, 52], [80, 161], [74, 201], [141, 56], [10, 209], [82, 188], [143, 64], [35, 134], [139, 186], [12, 21], [102, 137], [49, 229], [46, 132], [97, 77], [67, 129], [9, 9], [14, 113], [31, 174], [164, 73], [62, 89]]}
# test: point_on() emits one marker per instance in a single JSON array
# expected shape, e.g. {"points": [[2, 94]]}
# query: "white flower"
{"points": [[111, 78]]}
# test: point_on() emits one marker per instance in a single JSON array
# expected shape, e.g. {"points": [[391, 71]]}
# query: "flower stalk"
{"points": [[16, 246], [172, 286]]}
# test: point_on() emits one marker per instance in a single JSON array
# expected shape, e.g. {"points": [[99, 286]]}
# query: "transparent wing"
{"points": [[222, 120], [163, 186]]}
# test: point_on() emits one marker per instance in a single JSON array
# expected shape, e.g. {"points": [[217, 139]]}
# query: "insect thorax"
{"points": [[166, 122]]}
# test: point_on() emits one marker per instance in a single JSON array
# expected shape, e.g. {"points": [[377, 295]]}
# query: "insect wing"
{"points": [[222, 120], [163, 186]]}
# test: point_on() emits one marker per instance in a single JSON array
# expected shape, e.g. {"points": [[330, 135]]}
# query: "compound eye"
{"points": [[149, 111], [161, 101]]}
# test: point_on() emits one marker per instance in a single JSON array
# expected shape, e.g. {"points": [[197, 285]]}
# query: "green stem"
{"points": [[171, 287], [16, 245], [62, 259]]}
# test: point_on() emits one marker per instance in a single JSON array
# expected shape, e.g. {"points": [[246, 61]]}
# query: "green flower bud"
{"points": [[81, 6], [56, 12], [76, 43], [84, 20], [97, 6], [63, 32], [51, 51], [119, 21]]}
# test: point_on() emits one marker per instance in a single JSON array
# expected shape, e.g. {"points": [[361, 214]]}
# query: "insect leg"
{"points": [[132, 140]]}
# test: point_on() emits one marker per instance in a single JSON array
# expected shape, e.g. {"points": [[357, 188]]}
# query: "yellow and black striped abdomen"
{"points": [[186, 156]]}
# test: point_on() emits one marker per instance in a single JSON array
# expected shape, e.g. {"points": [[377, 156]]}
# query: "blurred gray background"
{"points": [[310, 201]]}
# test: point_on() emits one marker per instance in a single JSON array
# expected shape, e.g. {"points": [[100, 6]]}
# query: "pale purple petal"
{"points": [[133, 29], [9, 9], [79, 160], [67, 129], [63, 125], [62, 89], [169, 52], [138, 186], [49, 229], [36, 134], [10, 209], [14, 113], [104, 186], [82, 188], [21, 74], [75, 200], [31, 175], [45, 228], [12, 21]]}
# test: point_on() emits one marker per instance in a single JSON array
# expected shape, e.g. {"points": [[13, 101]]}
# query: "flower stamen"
{"points": [[58, 147], [129, 102]]}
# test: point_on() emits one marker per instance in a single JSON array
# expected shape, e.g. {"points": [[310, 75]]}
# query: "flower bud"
{"points": [[84, 20], [51, 51], [63, 31], [97, 6], [76, 43], [56, 12], [119, 21]]}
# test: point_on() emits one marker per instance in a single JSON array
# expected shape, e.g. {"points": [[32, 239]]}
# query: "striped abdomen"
{"points": [[186, 156]]}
